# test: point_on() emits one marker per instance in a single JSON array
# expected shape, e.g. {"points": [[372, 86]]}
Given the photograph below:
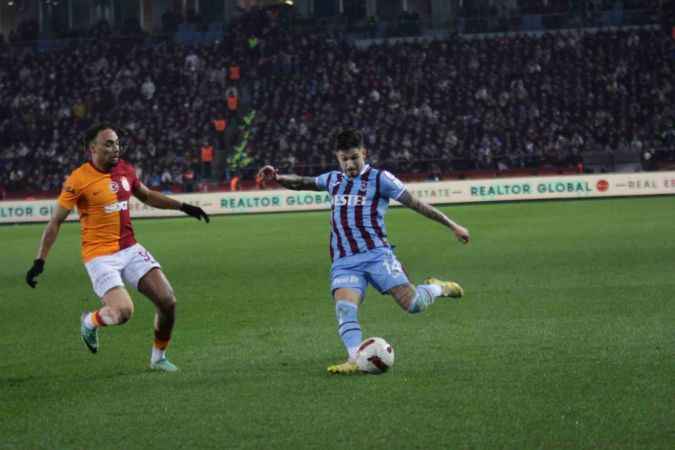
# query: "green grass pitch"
{"points": [[564, 340]]}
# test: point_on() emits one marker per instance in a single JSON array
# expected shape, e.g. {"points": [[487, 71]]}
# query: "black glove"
{"points": [[194, 211], [38, 267]]}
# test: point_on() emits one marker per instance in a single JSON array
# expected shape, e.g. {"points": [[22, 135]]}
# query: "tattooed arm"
{"points": [[407, 199], [294, 182], [297, 183]]}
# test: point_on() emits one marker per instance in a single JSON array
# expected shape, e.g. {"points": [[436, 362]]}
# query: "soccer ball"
{"points": [[375, 355]]}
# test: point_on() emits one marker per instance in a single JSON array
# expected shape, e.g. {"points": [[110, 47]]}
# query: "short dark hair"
{"points": [[347, 139], [93, 131]]}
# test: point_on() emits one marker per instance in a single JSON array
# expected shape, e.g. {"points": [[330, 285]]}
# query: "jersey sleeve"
{"points": [[70, 192], [390, 186], [133, 179], [322, 180]]}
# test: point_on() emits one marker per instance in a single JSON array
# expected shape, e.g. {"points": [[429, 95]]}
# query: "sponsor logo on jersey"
{"points": [[125, 184], [116, 207], [349, 200]]}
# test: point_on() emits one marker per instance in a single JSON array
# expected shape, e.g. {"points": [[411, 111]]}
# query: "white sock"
{"points": [[89, 321], [434, 289], [352, 353], [157, 354], [425, 296]]}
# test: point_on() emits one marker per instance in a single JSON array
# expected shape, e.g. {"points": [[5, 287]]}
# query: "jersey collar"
{"points": [[363, 170], [96, 168]]}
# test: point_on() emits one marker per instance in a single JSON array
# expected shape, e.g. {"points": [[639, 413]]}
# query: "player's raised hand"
{"points": [[462, 234], [33, 272], [194, 211], [267, 174]]}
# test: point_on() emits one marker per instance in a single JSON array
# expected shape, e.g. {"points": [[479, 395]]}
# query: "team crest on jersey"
{"points": [[114, 187], [125, 184], [364, 186]]}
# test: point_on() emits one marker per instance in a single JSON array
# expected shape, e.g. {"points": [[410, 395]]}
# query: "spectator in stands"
{"points": [[189, 179], [234, 183], [219, 126], [234, 72], [166, 179], [207, 159], [148, 88], [232, 96]]}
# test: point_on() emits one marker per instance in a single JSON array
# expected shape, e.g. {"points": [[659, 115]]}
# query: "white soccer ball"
{"points": [[375, 355]]}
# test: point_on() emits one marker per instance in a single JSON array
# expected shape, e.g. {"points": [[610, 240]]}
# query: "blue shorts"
{"points": [[378, 267]]}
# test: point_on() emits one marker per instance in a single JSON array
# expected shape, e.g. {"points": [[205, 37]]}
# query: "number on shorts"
{"points": [[146, 257], [393, 268]]}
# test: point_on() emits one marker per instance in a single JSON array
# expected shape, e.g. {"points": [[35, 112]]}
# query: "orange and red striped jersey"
{"points": [[102, 200]]}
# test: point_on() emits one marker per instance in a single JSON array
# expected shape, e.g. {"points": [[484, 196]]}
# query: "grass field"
{"points": [[565, 338]]}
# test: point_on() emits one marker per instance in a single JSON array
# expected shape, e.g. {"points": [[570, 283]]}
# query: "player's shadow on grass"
{"points": [[20, 380]]}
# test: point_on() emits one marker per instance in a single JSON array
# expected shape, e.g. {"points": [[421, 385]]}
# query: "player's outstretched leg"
{"points": [[117, 310], [156, 287], [349, 329], [426, 294], [416, 299], [448, 288], [89, 325]]}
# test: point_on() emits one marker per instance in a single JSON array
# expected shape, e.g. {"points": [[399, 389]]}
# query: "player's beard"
{"points": [[112, 162], [353, 171]]}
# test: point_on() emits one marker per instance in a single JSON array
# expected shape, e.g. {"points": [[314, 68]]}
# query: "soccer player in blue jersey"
{"points": [[359, 248]]}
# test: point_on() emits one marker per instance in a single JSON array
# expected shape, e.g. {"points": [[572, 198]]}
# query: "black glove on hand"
{"points": [[38, 267], [194, 211]]}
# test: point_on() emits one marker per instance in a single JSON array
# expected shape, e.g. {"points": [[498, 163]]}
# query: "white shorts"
{"points": [[107, 272]]}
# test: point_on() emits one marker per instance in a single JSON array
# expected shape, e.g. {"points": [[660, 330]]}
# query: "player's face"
{"points": [[352, 161], [105, 149]]}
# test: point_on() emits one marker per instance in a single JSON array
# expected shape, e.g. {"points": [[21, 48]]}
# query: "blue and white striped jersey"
{"points": [[358, 208]]}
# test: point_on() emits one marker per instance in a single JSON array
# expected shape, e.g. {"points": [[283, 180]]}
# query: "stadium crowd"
{"points": [[483, 8], [498, 102], [166, 98]]}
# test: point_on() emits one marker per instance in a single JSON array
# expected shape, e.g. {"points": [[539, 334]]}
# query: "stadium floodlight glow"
{"points": [[10, 3], [269, 3], [248, 4]]}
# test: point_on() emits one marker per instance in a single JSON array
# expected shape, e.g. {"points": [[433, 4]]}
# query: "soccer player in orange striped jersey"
{"points": [[101, 189]]}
